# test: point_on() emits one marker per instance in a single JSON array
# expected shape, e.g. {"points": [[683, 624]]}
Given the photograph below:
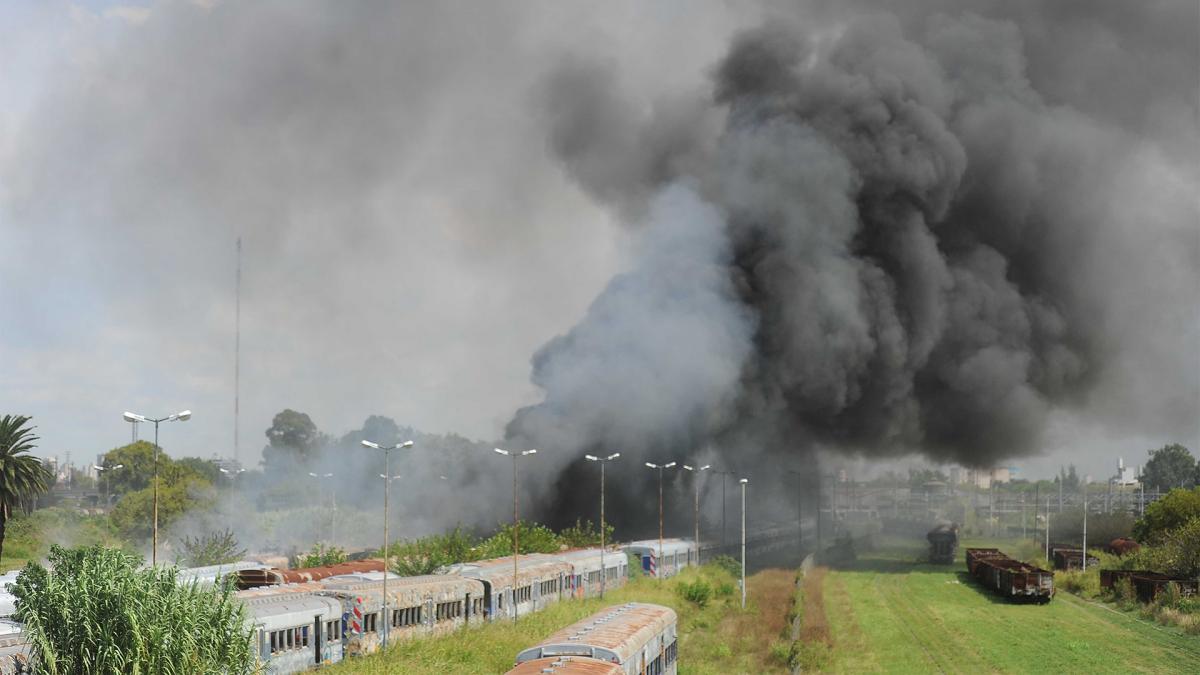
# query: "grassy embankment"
{"points": [[888, 612], [718, 637]]}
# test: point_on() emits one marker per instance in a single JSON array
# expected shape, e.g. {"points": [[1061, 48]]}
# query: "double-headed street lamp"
{"points": [[744, 481], [658, 565], [696, 510], [136, 418], [515, 454], [107, 480], [319, 476], [602, 461], [387, 467]]}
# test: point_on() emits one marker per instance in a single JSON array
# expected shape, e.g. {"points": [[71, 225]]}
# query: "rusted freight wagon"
{"points": [[1008, 577], [1146, 584], [1066, 558]]}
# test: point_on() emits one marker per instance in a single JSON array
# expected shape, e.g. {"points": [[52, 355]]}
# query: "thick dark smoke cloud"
{"points": [[888, 233]]}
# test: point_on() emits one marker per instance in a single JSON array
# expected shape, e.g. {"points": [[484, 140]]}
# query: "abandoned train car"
{"points": [[943, 544]]}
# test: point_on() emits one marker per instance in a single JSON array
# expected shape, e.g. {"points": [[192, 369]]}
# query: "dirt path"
{"points": [[815, 626]]}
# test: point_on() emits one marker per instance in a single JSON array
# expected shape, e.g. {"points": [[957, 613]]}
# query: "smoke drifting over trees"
{"points": [[935, 227]]}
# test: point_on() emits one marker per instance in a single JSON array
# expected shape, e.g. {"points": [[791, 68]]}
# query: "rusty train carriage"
{"points": [[567, 665], [1008, 577], [418, 607], [541, 580], [271, 576], [639, 637], [587, 571]]}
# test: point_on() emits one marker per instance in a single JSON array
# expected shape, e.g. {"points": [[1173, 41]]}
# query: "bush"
{"points": [[697, 592], [1177, 552], [428, 554], [321, 555], [533, 538], [212, 548], [96, 610], [584, 534], [729, 564]]}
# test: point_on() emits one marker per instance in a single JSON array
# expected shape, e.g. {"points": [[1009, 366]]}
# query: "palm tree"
{"points": [[22, 476]]}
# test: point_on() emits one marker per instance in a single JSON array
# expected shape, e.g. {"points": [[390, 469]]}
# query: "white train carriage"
{"points": [[676, 554], [540, 580], [588, 567], [209, 574], [640, 638], [418, 606], [295, 631]]}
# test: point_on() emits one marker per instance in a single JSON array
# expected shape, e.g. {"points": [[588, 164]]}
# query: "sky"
{"points": [[411, 232]]}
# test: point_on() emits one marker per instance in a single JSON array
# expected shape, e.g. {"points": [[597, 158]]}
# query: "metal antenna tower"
{"points": [[237, 352]]}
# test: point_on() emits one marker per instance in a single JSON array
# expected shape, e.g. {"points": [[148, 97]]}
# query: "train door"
{"points": [[318, 635], [488, 610]]}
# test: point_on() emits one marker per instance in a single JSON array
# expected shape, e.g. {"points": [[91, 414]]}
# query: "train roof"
{"points": [[668, 545], [530, 567], [285, 611], [618, 631], [250, 578], [567, 665], [209, 573]]}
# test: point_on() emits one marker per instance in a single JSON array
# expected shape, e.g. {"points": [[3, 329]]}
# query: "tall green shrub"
{"points": [[95, 610]]}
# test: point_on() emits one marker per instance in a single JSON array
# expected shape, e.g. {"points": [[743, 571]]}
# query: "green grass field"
{"points": [[889, 613]]}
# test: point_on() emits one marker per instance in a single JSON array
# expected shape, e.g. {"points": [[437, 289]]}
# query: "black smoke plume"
{"points": [[892, 243]]}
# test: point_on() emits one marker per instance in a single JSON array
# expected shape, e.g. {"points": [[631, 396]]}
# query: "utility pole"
{"points": [[1047, 529], [1023, 534], [237, 352], [743, 482]]}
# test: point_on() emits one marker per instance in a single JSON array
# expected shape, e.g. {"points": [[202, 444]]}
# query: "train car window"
{"points": [[290, 639], [304, 636], [273, 643], [672, 652]]}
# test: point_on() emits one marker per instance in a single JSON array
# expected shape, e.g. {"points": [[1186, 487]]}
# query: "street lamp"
{"points": [[658, 566], [107, 480], [696, 508], [387, 464], [515, 454], [743, 482], [319, 476], [602, 461], [136, 418]]}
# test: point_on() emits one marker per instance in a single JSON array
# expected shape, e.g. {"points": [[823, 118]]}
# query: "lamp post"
{"points": [[387, 467], [744, 481], [182, 416], [515, 454], [319, 476], [602, 461], [658, 565], [107, 480], [696, 507], [1085, 509]]}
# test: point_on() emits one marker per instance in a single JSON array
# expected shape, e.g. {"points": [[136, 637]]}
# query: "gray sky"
{"points": [[410, 238]]}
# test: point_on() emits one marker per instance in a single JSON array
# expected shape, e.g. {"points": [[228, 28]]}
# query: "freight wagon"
{"points": [[943, 544], [1008, 577], [1147, 585]]}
